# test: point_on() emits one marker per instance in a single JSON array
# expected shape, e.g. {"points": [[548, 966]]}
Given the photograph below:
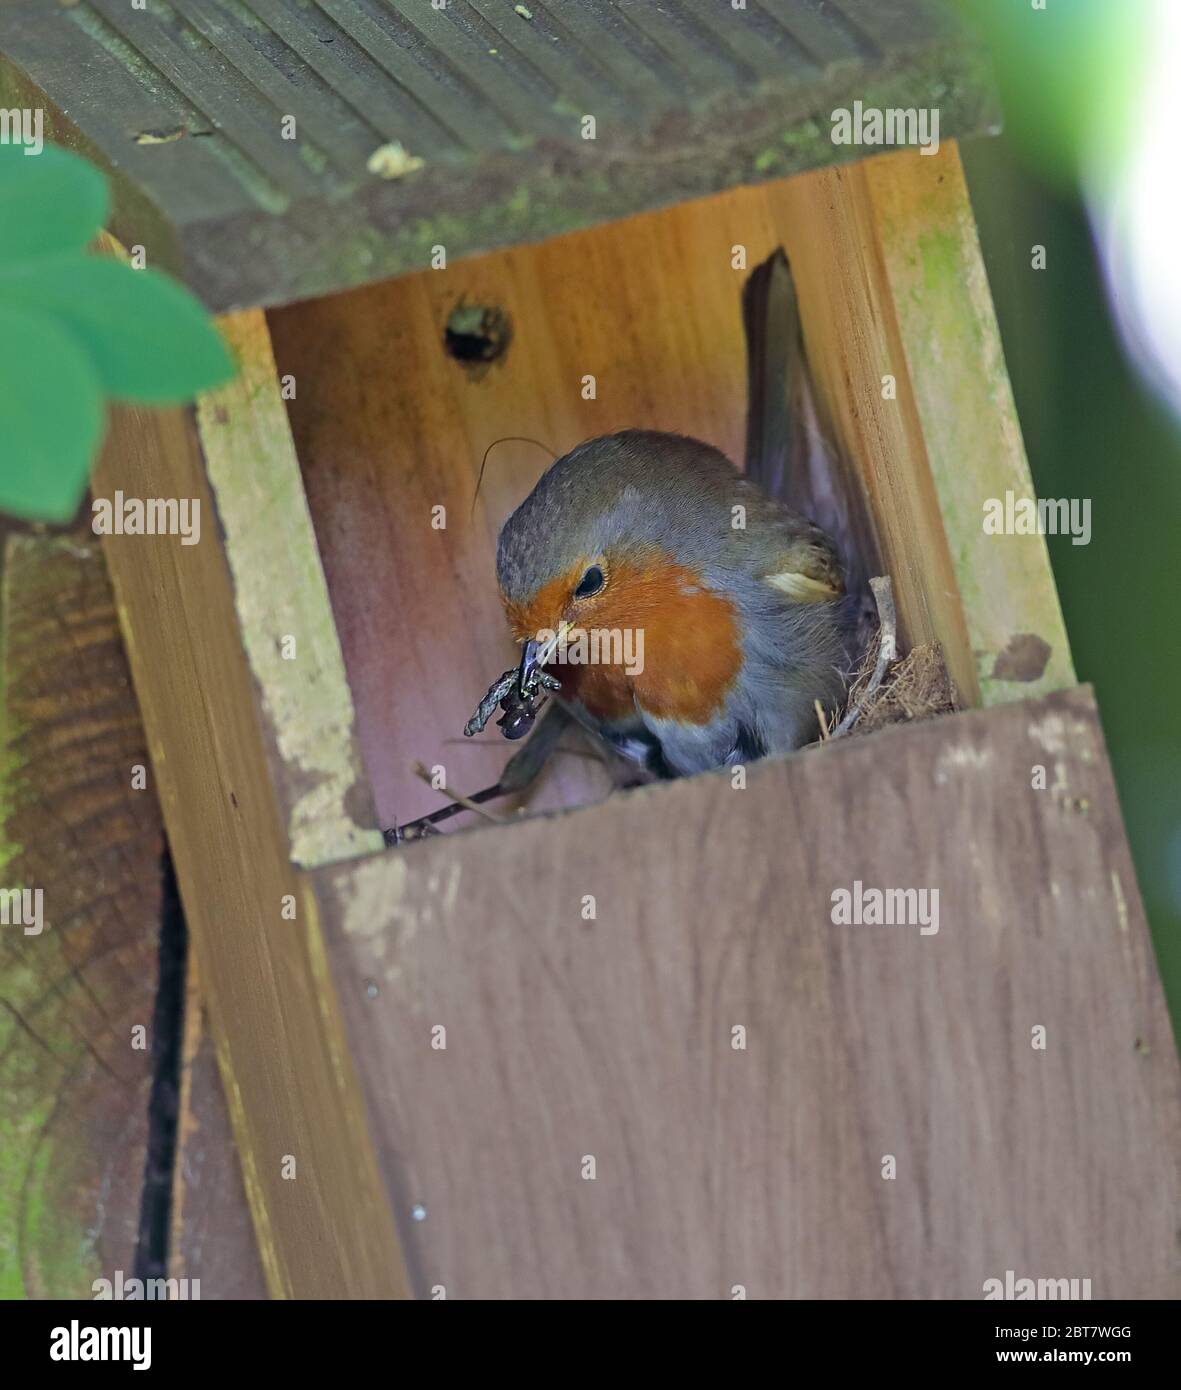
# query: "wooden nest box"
{"points": [[709, 1087]]}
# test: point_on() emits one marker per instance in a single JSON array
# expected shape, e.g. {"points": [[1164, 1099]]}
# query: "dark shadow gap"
{"points": [[155, 1213]]}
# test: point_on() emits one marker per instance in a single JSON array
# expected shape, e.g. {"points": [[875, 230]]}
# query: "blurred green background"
{"points": [[1091, 427]]}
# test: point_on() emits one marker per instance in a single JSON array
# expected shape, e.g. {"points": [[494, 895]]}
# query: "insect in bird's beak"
{"points": [[521, 691]]}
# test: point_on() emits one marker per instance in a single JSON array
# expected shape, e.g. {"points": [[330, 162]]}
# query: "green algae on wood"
{"points": [[927, 239]]}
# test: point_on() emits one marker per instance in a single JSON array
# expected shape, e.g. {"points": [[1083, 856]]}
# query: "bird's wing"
{"points": [[805, 566]]}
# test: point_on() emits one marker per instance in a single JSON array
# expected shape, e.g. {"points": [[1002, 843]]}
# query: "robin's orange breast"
{"points": [[664, 641]]}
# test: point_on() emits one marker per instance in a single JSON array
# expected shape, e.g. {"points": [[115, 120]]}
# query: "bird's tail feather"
{"points": [[788, 453]]}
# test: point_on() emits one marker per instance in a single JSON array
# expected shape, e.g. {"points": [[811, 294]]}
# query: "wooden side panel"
{"points": [[762, 1157], [948, 330], [74, 1087], [324, 1230], [903, 340]]}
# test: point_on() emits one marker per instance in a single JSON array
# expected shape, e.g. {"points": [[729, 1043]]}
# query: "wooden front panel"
{"points": [[763, 1167]]}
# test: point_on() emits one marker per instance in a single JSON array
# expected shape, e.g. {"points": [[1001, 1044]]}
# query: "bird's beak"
{"points": [[535, 656], [527, 667]]}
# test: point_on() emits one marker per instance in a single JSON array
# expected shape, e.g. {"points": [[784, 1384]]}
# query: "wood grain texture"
{"points": [[891, 283], [763, 1167], [73, 1089], [185, 105], [288, 1077]]}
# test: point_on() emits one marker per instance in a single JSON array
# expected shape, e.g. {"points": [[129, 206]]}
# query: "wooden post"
{"points": [[75, 1075]]}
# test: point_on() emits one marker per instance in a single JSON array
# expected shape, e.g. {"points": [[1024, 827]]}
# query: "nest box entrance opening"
{"points": [[402, 386]]}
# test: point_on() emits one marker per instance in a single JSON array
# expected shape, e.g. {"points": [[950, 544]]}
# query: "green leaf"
{"points": [[53, 202], [148, 338], [51, 417]]}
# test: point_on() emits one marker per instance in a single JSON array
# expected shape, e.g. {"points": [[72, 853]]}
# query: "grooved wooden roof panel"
{"points": [[240, 133]]}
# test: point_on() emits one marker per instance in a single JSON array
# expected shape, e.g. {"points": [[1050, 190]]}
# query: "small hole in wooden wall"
{"points": [[476, 335]]}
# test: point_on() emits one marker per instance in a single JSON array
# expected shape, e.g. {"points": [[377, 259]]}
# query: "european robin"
{"points": [[739, 600]]}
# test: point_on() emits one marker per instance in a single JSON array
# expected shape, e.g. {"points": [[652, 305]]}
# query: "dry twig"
{"points": [[465, 801]]}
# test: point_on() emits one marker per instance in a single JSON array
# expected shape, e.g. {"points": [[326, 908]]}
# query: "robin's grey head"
{"points": [[615, 494]]}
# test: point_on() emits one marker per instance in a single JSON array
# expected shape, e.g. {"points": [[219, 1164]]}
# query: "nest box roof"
{"points": [[271, 150]]}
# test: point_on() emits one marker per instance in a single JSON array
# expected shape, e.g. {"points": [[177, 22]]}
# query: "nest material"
{"points": [[917, 687], [888, 691]]}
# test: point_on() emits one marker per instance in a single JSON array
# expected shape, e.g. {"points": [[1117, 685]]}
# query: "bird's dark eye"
{"points": [[590, 583]]}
